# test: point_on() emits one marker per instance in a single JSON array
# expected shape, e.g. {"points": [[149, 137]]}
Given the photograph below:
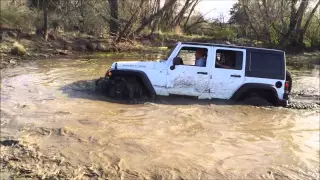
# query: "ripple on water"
{"points": [[168, 138]]}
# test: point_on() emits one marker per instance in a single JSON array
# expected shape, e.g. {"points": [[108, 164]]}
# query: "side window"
{"points": [[228, 59], [266, 62], [193, 56]]}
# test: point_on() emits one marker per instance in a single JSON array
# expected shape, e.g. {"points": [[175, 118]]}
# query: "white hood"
{"points": [[139, 65]]}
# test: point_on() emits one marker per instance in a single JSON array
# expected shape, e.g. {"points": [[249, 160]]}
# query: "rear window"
{"points": [[265, 62]]}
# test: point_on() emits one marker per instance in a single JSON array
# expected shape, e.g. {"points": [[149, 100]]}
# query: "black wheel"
{"points": [[256, 101], [101, 85], [137, 88], [120, 90]]}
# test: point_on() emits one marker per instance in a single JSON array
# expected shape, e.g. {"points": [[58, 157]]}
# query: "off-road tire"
{"points": [[256, 101], [101, 85], [131, 89], [120, 90]]}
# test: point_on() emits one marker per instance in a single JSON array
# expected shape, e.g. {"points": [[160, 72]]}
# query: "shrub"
{"points": [[19, 17], [225, 34], [18, 49]]}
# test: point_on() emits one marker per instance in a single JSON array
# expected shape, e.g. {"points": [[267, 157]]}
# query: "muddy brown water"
{"points": [[60, 127]]}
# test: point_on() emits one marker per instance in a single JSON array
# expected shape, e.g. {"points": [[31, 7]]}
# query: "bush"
{"points": [[19, 17], [18, 49], [307, 43], [223, 34]]}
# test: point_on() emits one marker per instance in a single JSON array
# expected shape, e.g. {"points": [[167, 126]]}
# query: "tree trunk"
{"points": [[305, 27], [245, 10], [178, 18], [153, 16], [300, 13], [45, 20], [114, 19], [126, 31], [288, 37], [155, 22], [190, 13], [82, 14]]}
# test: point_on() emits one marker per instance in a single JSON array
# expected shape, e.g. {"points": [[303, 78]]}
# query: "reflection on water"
{"points": [[55, 103]]}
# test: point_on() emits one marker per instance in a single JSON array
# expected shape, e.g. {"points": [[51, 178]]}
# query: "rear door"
{"points": [[228, 72]]}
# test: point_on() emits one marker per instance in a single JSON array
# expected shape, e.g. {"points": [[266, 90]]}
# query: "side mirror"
{"points": [[176, 61]]}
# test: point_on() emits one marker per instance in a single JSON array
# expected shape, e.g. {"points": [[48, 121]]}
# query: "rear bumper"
{"points": [[284, 101]]}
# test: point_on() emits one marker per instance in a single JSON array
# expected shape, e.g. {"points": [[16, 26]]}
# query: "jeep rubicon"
{"points": [[256, 76]]}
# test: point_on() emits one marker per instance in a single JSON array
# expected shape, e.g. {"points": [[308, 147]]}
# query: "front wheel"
{"points": [[120, 90]]}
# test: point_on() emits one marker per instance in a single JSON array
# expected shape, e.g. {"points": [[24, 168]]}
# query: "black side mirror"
{"points": [[176, 61]]}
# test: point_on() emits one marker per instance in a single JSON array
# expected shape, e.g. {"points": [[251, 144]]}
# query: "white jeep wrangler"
{"points": [[255, 75]]}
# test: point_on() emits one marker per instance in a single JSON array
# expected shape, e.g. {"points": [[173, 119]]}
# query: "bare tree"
{"points": [[114, 17], [195, 3], [45, 20], [178, 18], [268, 20], [304, 29], [155, 22], [147, 21]]}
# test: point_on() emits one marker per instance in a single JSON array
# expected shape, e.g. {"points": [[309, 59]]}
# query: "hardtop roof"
{"points": [[232, 46]]}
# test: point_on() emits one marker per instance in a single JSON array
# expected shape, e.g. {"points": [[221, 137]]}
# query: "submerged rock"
{"points": [[12, 61]]}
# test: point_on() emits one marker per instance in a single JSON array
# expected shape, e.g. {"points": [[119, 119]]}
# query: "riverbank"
{"points": [[15, 50]]}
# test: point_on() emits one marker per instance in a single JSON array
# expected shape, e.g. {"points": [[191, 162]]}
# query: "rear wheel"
{"points": [[256, 101]]}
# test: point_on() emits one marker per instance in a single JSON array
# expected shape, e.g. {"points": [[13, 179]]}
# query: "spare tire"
{"points": [[289, 79]]}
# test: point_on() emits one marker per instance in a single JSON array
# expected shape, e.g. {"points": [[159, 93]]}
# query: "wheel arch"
{"points": [[140, 74], [258, 88]]}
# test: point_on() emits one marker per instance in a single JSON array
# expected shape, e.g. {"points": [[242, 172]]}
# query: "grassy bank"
{"points": [[15, 49]]}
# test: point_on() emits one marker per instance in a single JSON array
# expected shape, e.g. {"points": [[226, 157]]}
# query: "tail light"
{"points": [[286, 86]]}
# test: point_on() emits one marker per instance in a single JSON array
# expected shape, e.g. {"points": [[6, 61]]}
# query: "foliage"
{"points": [[18, 49], [225, 34], [277, 23], [19, 17]]}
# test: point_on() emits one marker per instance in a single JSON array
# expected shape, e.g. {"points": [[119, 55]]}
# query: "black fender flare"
{"points": [[142, 75], [249, 86]]}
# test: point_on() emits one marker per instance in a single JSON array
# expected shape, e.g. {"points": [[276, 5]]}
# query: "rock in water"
{"points": [[12, 61]]}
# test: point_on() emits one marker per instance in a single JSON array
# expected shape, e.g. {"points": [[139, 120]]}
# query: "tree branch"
{"points": [[153, 16]]}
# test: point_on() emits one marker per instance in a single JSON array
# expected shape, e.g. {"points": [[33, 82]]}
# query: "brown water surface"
{"points": [[52, 106]]}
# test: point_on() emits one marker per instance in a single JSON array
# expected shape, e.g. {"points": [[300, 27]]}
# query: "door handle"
{"points": [[202, 73], [235, 75]]}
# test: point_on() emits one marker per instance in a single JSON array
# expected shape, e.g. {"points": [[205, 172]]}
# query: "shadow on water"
{"points": [[86, 89]]}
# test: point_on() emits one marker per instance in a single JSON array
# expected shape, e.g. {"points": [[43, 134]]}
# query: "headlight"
{"points": [[109, 73]]}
